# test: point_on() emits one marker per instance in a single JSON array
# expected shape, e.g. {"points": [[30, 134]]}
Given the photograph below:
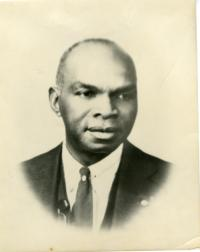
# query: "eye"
{"points": [[124, 96], [85, 93]]}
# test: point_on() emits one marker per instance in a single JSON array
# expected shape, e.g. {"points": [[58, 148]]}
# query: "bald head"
{"points": [[94, 53]]}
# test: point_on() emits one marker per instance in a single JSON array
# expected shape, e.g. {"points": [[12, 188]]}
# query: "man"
{"points": [[96, 177]]}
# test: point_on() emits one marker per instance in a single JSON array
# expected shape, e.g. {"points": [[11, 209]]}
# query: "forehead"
{"points": [[99, 65]]}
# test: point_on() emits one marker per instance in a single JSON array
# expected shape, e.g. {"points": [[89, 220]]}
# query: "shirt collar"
{"points": [[110, 162], [72, 166]]}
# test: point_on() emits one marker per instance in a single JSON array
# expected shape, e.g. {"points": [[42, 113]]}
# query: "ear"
{"points": [[54, 93]]}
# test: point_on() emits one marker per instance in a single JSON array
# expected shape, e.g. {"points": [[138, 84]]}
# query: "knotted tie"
{"points": [[82, 211]]}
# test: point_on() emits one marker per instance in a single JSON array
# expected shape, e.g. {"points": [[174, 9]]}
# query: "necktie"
{"points": [[82, 211]]}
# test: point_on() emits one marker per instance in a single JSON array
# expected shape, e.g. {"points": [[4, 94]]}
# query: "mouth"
{"points": [[103, 133], [103, 129]]}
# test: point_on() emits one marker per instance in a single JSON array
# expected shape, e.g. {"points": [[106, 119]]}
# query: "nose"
{"points": [[105, 108]]}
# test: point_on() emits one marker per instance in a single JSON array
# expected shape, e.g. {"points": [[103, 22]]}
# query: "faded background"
{"points": [[160, 36]]}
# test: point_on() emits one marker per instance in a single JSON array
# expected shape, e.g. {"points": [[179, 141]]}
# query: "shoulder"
{"points": [[41, 174], [42, 158], [36, 166], [132, 151], [146, 164]]}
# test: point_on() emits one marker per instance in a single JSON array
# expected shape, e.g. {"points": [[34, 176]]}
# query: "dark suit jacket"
{"points": [[138, 177]]}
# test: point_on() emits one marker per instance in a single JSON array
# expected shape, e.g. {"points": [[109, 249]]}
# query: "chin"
{"points": [[101, 148]]}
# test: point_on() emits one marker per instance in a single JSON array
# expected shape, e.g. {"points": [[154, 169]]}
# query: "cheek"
{"points": [[128, 111], [73, 111]]}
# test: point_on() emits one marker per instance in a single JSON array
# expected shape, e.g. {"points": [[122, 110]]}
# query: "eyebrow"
{"points": [[79, 84], [128, 88]]}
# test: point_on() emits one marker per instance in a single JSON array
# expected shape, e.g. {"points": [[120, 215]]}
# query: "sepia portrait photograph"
{"points": [[99, 126]]}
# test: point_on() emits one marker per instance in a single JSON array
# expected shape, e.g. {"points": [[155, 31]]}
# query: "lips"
{"points": [[103, 129], [102, 133]]}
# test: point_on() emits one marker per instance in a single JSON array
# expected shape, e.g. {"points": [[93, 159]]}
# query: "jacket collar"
{"points": [[132, 185]]}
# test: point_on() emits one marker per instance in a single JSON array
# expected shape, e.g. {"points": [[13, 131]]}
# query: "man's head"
{"points": [[95, 95]]}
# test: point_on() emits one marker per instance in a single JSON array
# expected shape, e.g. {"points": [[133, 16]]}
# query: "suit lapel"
{"points": [[43, 174], [56, 189], [131, 185]]}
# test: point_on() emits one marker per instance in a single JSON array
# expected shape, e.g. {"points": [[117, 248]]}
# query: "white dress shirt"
{"points": [[102, 176]]}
